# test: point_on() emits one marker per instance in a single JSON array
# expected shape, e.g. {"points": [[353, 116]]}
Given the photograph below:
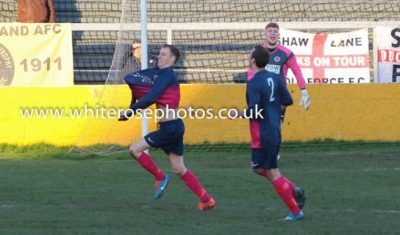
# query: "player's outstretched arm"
{"points": [[305, 98]]}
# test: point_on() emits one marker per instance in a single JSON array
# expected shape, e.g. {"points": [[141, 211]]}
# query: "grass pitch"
{"points": [[350, 189]]}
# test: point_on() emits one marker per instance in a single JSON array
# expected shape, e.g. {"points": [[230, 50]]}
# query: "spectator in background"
{"points": [[132, 60], [36, 11], [137, 52], [137, 56]]}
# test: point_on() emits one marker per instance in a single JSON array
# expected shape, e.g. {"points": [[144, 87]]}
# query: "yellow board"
{"points": [[341, 112], [346, 112]]}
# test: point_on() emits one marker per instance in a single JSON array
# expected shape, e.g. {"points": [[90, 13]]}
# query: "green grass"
{"points": [[350, 188]]}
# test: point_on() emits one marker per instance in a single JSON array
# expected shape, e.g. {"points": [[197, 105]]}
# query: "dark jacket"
{"points": [[36, 11]]}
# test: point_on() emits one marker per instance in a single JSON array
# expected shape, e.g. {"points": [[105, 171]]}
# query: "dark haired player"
{"points": [[266, 91]]}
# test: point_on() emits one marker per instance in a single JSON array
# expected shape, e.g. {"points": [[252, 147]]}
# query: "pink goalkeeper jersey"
{"points": [[280, 61]]}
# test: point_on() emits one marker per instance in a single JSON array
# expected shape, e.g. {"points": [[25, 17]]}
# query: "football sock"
{"points": [[292, 185], [285, 192], [193, 183], [147, 163]]}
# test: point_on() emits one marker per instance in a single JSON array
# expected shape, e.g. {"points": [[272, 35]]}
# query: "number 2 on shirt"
{"points": [[271, 84]]}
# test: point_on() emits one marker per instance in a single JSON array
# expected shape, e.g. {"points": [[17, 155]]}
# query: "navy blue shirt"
{"points": [[160, 86], [266, 91]]}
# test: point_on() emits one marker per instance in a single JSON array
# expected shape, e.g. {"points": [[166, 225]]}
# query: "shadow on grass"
{"points": [[42, 150]]}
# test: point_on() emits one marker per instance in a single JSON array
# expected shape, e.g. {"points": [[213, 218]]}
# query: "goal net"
{"points": [[211, 54]]}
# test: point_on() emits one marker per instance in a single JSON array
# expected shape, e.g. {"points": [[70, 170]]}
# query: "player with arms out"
{"points": [[267, 91], [281, 59], [161, 86]]}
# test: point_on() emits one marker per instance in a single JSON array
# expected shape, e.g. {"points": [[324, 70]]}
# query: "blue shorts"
{"points": [[169, 137], [265, 158]]}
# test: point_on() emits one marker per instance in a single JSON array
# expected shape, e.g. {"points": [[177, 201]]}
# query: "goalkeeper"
{"points": [[268, 93], [161, 86], [280, 60]]}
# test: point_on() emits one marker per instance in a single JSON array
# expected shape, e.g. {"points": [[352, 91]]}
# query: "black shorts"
{"points": [[265, 158], [169, 137]]}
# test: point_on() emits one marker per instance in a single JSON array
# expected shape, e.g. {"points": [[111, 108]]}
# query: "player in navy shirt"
{"points": [[280, 61], [267, 92], [161, 86]]}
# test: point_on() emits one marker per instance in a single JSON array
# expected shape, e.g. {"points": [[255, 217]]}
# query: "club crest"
{"points": [[7, 68]]}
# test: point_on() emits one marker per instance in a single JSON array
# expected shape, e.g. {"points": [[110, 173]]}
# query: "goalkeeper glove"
{"points": [[305, 99]]}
